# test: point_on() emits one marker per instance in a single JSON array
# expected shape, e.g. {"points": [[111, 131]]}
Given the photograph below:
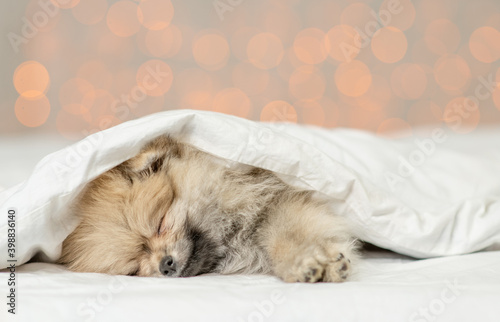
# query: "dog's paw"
{"points": [[318, 264]]}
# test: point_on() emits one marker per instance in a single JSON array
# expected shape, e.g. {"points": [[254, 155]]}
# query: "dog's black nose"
{"points": [[168, 266]]}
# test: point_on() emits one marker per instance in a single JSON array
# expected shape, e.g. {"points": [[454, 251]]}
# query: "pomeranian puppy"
{"points": [[176, 211]]}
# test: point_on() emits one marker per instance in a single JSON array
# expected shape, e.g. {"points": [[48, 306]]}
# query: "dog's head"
{"points": [[148, 216]]}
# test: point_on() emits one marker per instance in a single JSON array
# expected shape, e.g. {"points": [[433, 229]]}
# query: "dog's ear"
{"points": [[150, 161], [153, 155]]}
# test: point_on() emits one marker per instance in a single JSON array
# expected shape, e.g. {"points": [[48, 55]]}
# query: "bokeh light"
{"points": [[150, 105], [100, 103], [154, 77], [97, 73], [165, 42], [353, 78], [122, 18], [409, 81], [309, 46], [389, 44], [90, 12], [496, 97], [195, 89], [442, 36], [249, 78], [155, 14], [239, 41], [31, 79], [358, 15], [38, 20], [424, 112], [72, 94], [312, 112], [342, 43], [451, 72], [232, 101], [400, 14], [32, 112], [395, 127], [65, 4], [278, 111], [384, 66], [307, 82], [282, 22], [376, 97], [484, 44], [211, 51], [265, 50]]}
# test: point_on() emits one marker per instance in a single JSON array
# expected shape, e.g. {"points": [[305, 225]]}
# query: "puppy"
{"points": [[176, 211]]}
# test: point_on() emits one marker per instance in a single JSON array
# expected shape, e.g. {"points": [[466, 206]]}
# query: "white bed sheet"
{"points": [[388, 287]]}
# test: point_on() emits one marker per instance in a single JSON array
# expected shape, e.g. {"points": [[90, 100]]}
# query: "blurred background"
{"points": [[73, 67]]}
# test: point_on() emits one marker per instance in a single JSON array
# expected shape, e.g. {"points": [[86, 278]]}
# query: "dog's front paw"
{"points": [[317, 264]]}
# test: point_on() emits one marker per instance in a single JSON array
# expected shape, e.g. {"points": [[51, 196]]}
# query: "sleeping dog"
{"points": [[175, 211]]}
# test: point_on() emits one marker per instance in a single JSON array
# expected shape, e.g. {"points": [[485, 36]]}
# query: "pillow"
{"points": [[416, 197]]}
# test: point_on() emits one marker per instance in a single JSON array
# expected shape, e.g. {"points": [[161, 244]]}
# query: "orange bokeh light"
{"points": [[496, 97], [150, 105], [342, 43], [395, 127], [309, 46], [442, 37], [461, 115], [100, 102], [239, 41], [399, 14], [389, 44], [357, 15], [97, 73], [155, 14], [288, 64], [278, 111], [376, 97], [155, 77], [484, 44], [211, 51], [72, 94], [451, 72], [31, 79], [122, 18], [165, 42], [249, 78], [195, 89], [424, 112], [282, 22], [353, 78], [307, 82], [65, 4], [409, 81], [90, 12], [232, 101], [311, 111], [265, 50], [32, 112]]}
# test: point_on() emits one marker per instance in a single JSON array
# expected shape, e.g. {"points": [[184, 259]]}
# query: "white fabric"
{"points": [[457, 288], [448, 205]]}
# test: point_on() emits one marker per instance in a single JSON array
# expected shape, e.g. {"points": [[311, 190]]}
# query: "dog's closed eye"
{"points": [[161, 225]]}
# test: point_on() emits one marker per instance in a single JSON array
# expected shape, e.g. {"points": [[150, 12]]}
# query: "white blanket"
{"points": [[424, 198]]}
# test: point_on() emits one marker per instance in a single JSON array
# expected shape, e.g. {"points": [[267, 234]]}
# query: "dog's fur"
{"points": [[174, 200]]}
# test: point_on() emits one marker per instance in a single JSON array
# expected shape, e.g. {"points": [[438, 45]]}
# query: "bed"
{"points": [[430, 201]]}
